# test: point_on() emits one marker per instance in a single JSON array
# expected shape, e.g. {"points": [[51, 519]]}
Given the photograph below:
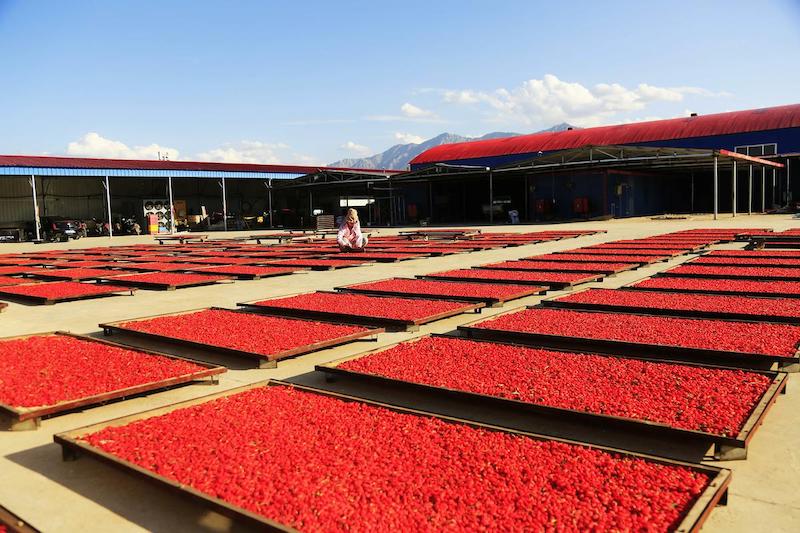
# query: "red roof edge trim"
{"points": [[148, 164]]}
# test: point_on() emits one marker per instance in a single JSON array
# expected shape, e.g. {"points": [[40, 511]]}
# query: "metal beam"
{"points": [[716, 187], [107, 186], [36, 222]]}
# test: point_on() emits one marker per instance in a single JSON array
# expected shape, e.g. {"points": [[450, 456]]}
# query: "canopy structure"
{"points": [[778, 125], [35, 168], [588, 158]]}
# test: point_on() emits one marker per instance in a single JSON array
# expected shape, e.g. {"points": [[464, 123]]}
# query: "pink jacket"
{"points": [[348, 236]]}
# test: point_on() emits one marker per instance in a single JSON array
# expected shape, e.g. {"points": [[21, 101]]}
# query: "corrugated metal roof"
{"points": [[771, 118], [165, 167]]}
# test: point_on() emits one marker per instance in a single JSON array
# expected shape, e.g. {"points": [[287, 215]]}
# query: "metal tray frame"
{"points": [[264, 360], [25, 418], [725, 448], [391, 324], [72, 448]]}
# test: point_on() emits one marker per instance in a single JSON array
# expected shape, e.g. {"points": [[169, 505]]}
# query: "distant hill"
{"points": [[399, 155]]}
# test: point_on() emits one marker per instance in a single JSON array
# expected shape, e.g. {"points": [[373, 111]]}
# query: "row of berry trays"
{"points": [[680, 495]]}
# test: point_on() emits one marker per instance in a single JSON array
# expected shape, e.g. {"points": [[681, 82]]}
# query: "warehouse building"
{"points": [[646, 168]]}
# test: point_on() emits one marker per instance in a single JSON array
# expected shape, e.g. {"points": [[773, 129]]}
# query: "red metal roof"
{"points": [[144, 164], [769, 118]]}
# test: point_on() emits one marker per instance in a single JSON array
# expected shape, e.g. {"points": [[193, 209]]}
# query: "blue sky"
{"points": [[312, 82]]}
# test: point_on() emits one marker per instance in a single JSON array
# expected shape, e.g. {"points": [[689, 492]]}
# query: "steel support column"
{"points": [[716, 187], [763, 189], [171, 207], [788, 183], [224, 205], [527, 199], [36, 222], [491, 196], [733, 190], [750, 192], [391, 204], [269, 189], [430, 201], [107, 185]]}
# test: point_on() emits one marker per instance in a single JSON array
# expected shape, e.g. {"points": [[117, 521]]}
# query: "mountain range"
{"points": [[399, 155]]}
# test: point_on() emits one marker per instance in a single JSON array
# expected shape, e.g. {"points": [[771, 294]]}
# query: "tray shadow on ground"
{"points": [[684, 450], [197, 354], [151, 507]]}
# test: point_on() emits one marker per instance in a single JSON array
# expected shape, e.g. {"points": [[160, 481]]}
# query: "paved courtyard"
{"points": [[85, 495]]}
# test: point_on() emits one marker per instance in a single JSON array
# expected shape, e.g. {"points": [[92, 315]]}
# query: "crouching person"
{"points": [[350, 238]]}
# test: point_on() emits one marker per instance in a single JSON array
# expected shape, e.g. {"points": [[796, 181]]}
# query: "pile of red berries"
{"points": [[677, 395], [49, 369], [724, 335], [249, 332], [317, 463]]}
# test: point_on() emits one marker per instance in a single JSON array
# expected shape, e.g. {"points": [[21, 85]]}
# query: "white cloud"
{"points": [[95, 145], [551, 100], [355, 148], [461, 97], [256, 152], [407, 138], [412, 111]]}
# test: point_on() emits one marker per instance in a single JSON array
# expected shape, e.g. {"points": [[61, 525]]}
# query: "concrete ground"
{"points": [[85, 495]]}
